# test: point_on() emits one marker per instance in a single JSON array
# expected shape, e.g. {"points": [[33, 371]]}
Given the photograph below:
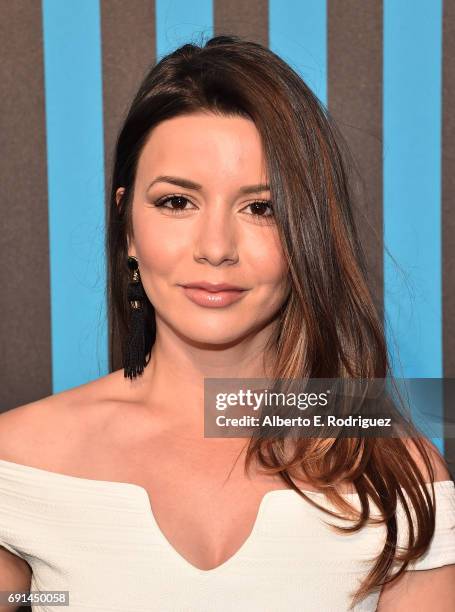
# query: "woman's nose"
{"points": [[215, 239]]}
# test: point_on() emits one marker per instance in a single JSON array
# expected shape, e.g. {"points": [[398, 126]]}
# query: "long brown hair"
{"points": [[329, 326]]}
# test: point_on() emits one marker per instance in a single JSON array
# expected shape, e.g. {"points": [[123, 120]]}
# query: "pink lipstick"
{"points": [[213, 295]]}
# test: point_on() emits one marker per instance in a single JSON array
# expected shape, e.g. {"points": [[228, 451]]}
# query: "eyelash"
{"points": [[161, 204]]}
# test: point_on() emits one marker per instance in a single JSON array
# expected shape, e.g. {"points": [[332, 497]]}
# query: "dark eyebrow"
{"points": [[187, 184]]}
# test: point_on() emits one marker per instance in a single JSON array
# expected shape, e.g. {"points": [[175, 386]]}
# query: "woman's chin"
{"points": [[220, 337]]}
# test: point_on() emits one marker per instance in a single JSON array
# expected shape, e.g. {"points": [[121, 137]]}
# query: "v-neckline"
{"points": [[183, 561], [149, 515]]}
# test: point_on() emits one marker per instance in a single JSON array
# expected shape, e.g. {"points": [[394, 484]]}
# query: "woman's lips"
{"points": [[213, 299]]}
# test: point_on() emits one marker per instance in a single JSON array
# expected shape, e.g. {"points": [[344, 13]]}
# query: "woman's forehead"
{"points": [[205, 148]]}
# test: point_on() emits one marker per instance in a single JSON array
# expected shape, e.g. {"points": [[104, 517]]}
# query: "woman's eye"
{"points": [[260, 208], [177, 203]]}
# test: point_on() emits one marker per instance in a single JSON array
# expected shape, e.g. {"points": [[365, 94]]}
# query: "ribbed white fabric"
{"points": [[98, 540]]}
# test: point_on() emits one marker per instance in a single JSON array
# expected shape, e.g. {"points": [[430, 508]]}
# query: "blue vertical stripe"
{"points": [[75, 169], [412, 187], [179, 22], [298, 34]]}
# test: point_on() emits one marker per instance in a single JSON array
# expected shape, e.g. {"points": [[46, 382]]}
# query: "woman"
{"points": [[231, 207]]}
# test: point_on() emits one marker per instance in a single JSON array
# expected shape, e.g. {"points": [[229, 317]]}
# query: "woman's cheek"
{"points": [[267, 259], [157, 258], [159, 248]]}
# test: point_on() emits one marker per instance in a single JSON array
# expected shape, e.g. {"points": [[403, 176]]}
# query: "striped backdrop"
{"points": [[69, 68]]}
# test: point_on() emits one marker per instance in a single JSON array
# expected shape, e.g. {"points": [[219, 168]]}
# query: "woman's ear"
{"points": [[118, 198], [119, 194]]}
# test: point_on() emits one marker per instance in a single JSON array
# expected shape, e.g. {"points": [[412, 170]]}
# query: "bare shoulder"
{"points": [[419, 590], [437, 461], [44, 433]]}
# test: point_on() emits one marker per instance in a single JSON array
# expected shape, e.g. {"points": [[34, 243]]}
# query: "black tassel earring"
{"points": [[134, 354]]}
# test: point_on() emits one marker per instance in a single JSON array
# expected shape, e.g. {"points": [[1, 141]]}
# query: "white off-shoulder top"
{"points": [[99, 540]]}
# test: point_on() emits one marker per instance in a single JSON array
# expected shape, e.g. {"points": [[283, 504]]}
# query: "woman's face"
{"points": [[195, 221]]}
